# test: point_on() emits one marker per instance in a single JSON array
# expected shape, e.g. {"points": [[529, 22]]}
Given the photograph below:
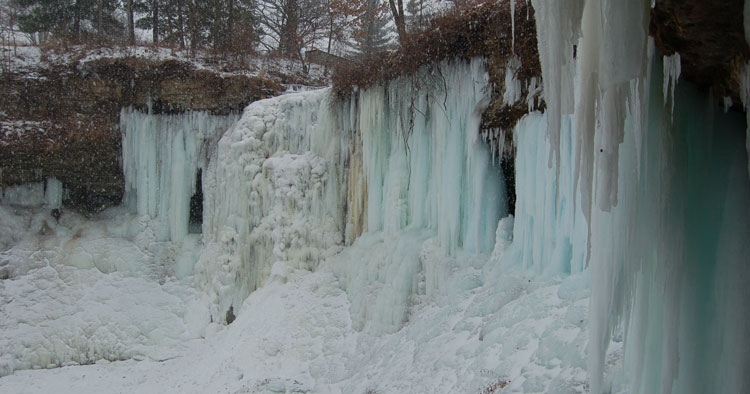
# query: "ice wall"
{"points": [[161, 157], [434, 193], [48, 193], [301, 175], [659, 174], [276, 190]]}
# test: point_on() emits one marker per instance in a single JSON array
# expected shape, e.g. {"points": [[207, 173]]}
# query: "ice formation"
{"points": [[665, 252], [363, 244], [275, 191], [161, 158], [298, 177]]}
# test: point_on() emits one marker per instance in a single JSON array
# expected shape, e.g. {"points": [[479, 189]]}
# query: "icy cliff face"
{"points": [[663, 187], [275, 191], [300, 176], [632, 191], [162, 155]]}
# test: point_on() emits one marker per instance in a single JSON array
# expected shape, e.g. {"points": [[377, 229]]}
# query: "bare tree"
{"points": [[291, 25], [131, 22], [397, 10]]}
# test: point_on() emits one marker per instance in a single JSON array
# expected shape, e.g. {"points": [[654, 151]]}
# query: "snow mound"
{"points": [[74, 292]]}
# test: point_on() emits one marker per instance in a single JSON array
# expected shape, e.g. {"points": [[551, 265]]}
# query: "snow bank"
{"points": [[78, 291]]}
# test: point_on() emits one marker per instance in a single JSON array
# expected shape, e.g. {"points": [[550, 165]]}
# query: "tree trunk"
{"points": [[155, 21], [99, 19], [131, 23], [398, 18], [230, 27]]}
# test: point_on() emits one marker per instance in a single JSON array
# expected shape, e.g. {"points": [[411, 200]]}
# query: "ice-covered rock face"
{"points": [[660, 177], [299, 176], [273, 193]]}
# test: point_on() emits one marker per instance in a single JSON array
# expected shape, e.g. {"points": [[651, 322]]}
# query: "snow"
{"points": [[75, 292], [296, 334], [29, 60], [390, 294], [363, 245]]}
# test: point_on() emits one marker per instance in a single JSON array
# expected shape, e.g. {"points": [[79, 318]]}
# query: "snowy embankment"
{"points": [[30, 60], [407, 294]]}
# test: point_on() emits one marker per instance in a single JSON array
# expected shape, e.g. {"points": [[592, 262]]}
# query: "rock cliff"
{"points": [[62, 120]]}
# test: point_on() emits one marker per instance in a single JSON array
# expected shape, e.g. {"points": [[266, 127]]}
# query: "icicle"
{"points": [[512, 91], [558, 29], [534, 90], [745, 97], [672, 68], [727, 103]]}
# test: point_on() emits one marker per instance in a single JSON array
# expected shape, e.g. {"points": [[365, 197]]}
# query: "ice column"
{"points": [[161, 155], [53, 193], [276, 191], [663, 205]]}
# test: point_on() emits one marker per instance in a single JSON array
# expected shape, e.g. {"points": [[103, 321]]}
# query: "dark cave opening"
{"points": [[196, 205], [508, 165]]}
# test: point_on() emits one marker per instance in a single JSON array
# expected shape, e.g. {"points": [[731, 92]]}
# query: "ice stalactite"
{"points": [[672, 69], [161, 157], [558, 30], [661, 190], [512, 92]]}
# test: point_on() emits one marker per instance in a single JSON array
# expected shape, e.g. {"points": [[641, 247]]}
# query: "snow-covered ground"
{"points": [[88, 292], [29, 60]]}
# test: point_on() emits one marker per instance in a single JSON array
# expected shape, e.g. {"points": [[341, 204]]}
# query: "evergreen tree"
{"points": [[416, 17], [371, 33], [68, 20]]}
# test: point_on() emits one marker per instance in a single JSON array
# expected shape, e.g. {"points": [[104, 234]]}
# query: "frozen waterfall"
{"points": [[631, 179], [660, 175], [300, 176]]}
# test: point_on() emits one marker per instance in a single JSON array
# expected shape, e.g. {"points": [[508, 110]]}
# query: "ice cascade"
{"points": [[302, 175], [161, 158], [663, 191]]}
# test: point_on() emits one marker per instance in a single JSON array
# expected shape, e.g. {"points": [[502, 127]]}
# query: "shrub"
{"points": [[479, 29]]}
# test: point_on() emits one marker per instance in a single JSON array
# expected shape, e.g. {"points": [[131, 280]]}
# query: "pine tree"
{"points": [[73, 21], [416, 17], [371, 33]]}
